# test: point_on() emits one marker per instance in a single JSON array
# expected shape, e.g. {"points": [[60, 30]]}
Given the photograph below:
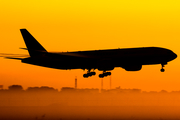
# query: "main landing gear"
{"points": [[89, 74], [162, 69], [104, 74]]}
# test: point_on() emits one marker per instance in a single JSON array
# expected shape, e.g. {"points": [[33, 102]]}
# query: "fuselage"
{"points": [[104, 59]]}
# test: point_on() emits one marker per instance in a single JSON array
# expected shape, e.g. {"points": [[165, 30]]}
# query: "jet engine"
{"points": [[105, 65], [132, 67]]}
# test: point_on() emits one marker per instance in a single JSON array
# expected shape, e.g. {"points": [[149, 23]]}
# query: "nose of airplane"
{"points": [[173, 55]]}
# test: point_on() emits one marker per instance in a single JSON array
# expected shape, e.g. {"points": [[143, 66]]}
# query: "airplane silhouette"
{"points": [[131, 59]]}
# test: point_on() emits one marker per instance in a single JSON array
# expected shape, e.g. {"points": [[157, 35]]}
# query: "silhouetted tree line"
{"points": [[19, 88], [31, 89], [15, 88], [15, 95]]}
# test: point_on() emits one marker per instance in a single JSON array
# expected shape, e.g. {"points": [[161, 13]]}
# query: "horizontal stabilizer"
{"points": [[13, 58], [23, 48]]}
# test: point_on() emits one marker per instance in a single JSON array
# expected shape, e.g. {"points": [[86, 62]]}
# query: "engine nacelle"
{"points": [[105, 65], [132, 67]]}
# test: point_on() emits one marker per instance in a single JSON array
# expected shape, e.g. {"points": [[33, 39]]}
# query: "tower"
{"points": [[76, 82], [101, 84], [110, 83]]}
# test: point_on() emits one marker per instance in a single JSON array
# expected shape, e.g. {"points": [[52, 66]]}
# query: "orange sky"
{"points": [[75, 25]]}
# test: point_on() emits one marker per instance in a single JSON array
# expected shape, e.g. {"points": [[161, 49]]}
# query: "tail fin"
{"points": [[33, 46]]}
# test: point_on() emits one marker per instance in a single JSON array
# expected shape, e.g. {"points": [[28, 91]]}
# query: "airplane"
{"points": [[130, 59]]}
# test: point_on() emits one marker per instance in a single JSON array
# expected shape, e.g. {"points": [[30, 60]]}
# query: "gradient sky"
{"points": [[78, 25]]}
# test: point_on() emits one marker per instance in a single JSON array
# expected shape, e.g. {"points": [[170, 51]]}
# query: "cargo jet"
{"points": [[130, 59]]}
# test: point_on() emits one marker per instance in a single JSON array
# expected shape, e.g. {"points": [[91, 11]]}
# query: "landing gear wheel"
{"points": [[85, 76], [89, 74], [93, 73], [101, 75], [162, 70], [108, 73]]}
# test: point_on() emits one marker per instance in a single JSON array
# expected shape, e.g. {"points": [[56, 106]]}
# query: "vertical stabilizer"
{"points": [[33, 46]]}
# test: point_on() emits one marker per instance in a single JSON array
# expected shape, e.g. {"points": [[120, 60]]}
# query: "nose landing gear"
{"points": [[162, 69]]}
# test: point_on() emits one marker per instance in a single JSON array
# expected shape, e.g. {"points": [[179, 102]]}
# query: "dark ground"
{"points": [[56, 112]]}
